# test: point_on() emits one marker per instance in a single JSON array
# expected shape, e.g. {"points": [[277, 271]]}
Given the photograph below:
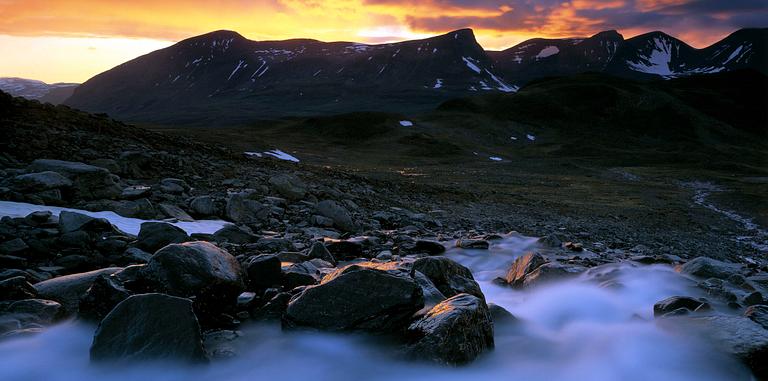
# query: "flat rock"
{"points": [[68, 289]]}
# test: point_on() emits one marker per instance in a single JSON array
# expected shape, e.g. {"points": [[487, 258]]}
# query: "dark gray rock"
{"points": [[473, 244], [28, 316], [72, 221], [288, 186], [237, 234], [155, 235], [344, 249], [103, 295], [174, 186], [552, 271], [40, 181], [263, 271], [705, 267], [339, 214], [16, 288], [758, 314], [522, 266], [300, 274], [677, 302], [243, 210], [196, 269], [15, 246], [203, 206], [68, 289], [454, 332], [149, 327], [365, 296], [450, 277], [88, 182], [318, 250], [173, 211], [135, 192]]}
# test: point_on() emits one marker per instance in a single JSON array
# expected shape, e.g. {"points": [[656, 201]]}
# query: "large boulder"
{"points": [[453, 332], [68, 289], [450, 277], [28, 316], [149, 327], [758, 314], [40, 181], [288, 186], [365, 296], [237, 234], [339, 214], [88, 182], [155, 235], [196, 269], [73, 221], [705, 267]]}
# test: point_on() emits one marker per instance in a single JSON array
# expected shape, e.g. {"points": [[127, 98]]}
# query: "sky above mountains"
{"points": [[69, 40]]}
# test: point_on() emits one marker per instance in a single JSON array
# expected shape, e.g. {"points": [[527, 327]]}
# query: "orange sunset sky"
{"points": [[70, 41]]}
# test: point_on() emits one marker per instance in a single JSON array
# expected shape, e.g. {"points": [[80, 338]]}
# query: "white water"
{"points": [[125, 224], [573, 330]]}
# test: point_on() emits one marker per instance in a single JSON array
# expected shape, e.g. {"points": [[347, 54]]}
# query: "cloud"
{"points": [[496, 22]]}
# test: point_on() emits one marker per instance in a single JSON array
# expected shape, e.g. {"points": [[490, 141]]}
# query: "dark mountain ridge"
{"points": [[223, 78]]}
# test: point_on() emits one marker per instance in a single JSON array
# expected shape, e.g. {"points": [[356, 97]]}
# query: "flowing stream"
{"points": [[596, 327]]}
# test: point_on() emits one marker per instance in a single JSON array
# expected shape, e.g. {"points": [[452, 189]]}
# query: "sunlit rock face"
{"points": [[455, 331], [365, 296]]}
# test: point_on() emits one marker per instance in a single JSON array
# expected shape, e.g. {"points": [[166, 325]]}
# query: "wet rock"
{"points": [[273, 309], [288, 186], [33, 312], [522, 267], [339, 214], [292, 257], [705, 267], [318, 250], [263, 271], [68, 289], [241, 209], [155, 235], [454, 332], [473, 244], [149, 327], [141, 208], [196, 269], [674, 303], [500, 315], [88, 182], [758, 314], [432, 296], [219, 345], [103, 295], [365, 296], [40, 181], [237, 234], [448, 276], [551, 271], [16, 288]]}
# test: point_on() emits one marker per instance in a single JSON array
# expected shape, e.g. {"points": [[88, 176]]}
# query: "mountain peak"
{"points": [[222, 34], [609, 35]]}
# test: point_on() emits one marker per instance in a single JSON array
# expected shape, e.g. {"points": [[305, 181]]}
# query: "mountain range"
{"points": [[223, 78], [54, 93]]}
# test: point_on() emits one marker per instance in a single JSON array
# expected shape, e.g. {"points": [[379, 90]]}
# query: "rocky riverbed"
{"points": [[119, 246]]}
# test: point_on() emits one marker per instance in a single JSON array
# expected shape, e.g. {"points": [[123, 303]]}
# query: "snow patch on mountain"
{"points": [[657, 61], [471, 64], [548, 52]]}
